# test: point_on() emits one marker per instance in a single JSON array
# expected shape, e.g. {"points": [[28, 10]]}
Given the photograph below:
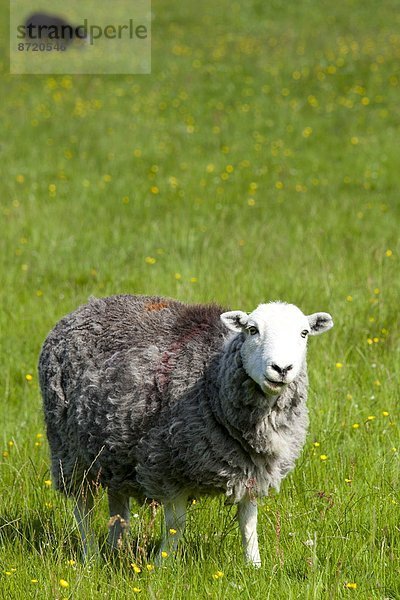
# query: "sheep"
{"points": [[47, 28], [157, 399]]}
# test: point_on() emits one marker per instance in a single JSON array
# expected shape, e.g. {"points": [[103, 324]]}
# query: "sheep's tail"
{"points": [[50, 378]]}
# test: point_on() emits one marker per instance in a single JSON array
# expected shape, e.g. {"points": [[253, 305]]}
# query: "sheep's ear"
{"points": [[235, 319], [320, 322]]}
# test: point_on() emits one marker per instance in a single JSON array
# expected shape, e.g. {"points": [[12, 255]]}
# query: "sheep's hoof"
{"points": [[90, 551], [253, 562]]}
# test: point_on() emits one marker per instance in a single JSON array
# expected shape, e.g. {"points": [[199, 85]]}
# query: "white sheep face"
{"points": [[275, 343]]}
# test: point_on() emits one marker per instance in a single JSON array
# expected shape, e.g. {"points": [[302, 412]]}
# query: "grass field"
{"points": [[259, 161]]}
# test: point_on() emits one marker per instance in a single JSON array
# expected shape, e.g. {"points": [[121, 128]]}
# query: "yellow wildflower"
{"points": [[351, 586], [136, 568], [218, 575]]}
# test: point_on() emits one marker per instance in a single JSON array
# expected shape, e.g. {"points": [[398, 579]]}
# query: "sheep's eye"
{"points": [[252, 330], [304, 333]]}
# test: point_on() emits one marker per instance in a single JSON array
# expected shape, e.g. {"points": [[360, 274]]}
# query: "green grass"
{"points": [[259, 161]]}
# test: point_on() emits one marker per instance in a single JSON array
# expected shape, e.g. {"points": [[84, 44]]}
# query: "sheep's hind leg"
{"points": [[83, 512], [247, 516], [175, 519], [118, 504]]}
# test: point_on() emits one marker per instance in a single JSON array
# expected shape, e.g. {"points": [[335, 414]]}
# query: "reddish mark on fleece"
{"points": [[155, 306], [167, 362]]}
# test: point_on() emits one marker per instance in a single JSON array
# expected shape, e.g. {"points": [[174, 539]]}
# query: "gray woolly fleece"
{"points": [[148, 396]]}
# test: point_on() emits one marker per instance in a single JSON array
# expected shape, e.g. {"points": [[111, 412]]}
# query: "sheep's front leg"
{"points": [[247, 516], [118, 505], [175, 518], [83, 512]]}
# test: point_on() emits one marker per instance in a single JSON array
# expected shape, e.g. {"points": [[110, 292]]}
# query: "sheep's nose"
{"points": [[282, 370]]}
